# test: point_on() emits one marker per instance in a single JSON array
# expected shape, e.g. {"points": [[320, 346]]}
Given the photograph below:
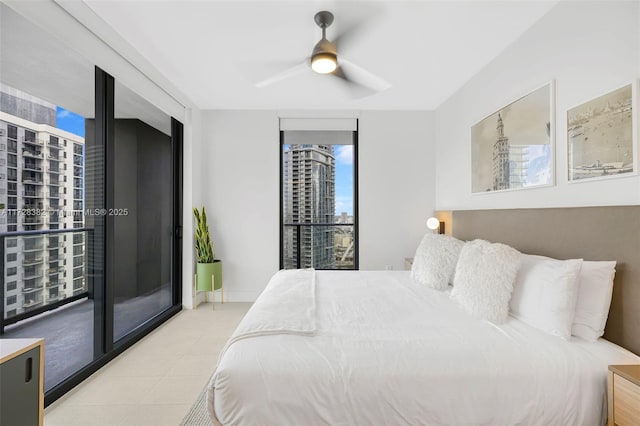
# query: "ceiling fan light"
{"points": [[324, 62]]}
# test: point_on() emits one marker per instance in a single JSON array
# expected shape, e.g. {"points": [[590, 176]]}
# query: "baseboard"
{"points": [[229, 296]]}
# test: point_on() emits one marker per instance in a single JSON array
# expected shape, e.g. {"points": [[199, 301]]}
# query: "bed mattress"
{"points": [[385, 351]]}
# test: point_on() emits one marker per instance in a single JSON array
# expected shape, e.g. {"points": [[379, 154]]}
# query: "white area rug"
{"points": [[198, 415]]}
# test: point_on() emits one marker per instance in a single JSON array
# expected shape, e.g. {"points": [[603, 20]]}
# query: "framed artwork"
{"points": [[513, 148], [600, 137]]}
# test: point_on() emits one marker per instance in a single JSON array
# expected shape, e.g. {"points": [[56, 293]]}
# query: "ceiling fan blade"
{"points": [[352, 31], [290, 72], [357, 90], [360, 76]]}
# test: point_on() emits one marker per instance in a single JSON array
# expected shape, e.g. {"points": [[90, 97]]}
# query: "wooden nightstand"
{"points": [[22, 381], [408, 263], [623, 391]]}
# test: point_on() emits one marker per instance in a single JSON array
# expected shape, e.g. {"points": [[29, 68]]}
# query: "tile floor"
{"points": [[156, 381]]}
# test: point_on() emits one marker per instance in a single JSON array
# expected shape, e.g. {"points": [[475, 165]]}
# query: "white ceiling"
{"points": [[215, 51]]}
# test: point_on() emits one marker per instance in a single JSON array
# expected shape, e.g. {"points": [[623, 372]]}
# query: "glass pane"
{"points": [[143, 211], [46, 106], [318, 199]]}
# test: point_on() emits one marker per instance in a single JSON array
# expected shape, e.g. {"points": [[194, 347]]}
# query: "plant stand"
{"points": [[213, 292]]}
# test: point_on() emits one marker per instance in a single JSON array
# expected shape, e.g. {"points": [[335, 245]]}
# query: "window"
{"points": [[11, 286], [11, 300], [78, 284], [29, 136], [12, 257], [12, 271], [12, 132], [12, 242], [319, 194]]}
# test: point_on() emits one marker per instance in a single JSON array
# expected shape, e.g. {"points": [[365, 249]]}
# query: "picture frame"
{"points": [[602, 136], [514, 147]]}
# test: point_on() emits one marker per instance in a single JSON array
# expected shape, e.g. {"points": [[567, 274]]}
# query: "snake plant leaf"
{"points": [[203, 244]]}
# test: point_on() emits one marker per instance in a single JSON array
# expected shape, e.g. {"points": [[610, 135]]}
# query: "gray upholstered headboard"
{"points": [[591, 233]]}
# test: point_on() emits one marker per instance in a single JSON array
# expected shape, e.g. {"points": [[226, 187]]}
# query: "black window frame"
{"points": [[356, 233]]}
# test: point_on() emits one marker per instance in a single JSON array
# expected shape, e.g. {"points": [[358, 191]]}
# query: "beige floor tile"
{"points": [[140, 365], [107, 390], [176, 390], [156, 381], [162, 345], [192, 365], [154, 415], [84, 415]]}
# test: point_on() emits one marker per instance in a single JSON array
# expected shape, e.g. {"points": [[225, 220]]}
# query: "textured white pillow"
{"points": [[435, 260], [484, 279], [545, 293], [594, 299]]}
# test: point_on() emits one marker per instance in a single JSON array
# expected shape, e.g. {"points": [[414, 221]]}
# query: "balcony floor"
{"points": [[68, 330]]}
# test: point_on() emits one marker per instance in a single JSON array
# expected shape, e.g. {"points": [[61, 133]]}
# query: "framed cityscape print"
{"points": [[513, 148], [600, 137]]}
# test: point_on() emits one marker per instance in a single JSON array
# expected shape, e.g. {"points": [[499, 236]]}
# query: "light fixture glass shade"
{"points": [[324, 63], [433, 223]]}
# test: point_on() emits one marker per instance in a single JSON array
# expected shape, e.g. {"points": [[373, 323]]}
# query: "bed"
{"points": [[374, 347]]}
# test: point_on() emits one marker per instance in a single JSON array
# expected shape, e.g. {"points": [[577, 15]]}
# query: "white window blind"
{"points": [[331, 124]]}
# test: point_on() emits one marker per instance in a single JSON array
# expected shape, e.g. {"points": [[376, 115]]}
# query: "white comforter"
{"points": [[388, 352]]}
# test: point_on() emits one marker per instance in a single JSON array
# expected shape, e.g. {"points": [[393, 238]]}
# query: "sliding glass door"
{"points": [[47, 109], [142, 211], [90, 206]]}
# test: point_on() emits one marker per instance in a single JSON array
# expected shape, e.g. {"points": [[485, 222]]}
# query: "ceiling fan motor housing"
{"points": [[324, 47], [324, 51]]}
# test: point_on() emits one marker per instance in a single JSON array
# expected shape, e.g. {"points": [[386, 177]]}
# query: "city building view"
{"points": [[314, 234], [41, 189]]}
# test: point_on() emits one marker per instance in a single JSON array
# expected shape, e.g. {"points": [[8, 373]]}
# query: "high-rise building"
{"points": [[309, 198], [41, 188], [501, 175]]}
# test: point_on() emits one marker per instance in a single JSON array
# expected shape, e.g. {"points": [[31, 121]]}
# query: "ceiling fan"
{"points": [[324, 59]]}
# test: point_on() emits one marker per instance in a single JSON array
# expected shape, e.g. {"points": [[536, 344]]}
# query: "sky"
{"points": [[70, 121], [344, 179]]}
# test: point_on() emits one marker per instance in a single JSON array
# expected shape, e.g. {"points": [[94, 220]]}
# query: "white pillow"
{"points": [[594, 299], [435, 260], [484, 279], [545, 293]]}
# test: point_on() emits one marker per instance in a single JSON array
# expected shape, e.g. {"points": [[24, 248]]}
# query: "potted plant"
{"points": [[208, 269]]}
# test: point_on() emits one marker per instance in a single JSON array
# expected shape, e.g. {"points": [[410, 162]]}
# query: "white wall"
{"points": [[192, 195], [397, 184], [589, 48], [240, 188]]}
